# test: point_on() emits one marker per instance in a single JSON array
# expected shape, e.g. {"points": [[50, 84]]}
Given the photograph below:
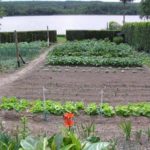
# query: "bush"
{"points": [[118, 39], [28, 36], [72, 35], [138, 35], [114, 26]]}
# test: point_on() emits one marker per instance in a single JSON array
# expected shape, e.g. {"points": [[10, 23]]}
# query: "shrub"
{"points": [[114, 26], [118, 39], [138, 35], [28, 36], [72, 35]]}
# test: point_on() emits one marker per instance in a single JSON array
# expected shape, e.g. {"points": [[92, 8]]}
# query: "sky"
{"points": [[80, 0]]}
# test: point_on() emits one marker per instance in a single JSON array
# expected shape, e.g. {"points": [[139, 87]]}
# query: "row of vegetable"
{"points": [[95, 53], [58, 108], [95, 61]]}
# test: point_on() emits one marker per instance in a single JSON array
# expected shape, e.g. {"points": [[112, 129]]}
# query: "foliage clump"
{"points": [[94, 53]]}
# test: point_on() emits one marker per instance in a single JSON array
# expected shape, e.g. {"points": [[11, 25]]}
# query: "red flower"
{"points": [[68, 115], [68, 122]]}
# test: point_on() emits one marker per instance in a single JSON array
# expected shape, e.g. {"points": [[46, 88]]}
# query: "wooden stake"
{"points": [[102, 94], [44, 104], [48, 37], [17, 49]]}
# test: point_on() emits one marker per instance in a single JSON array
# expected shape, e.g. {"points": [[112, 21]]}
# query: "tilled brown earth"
{"points": [[106, 128], [82, 83]]}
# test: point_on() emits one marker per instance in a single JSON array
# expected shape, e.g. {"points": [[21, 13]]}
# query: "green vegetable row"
{"points": [[95, 61], [95, 53], [57, 108], [93, 48]]}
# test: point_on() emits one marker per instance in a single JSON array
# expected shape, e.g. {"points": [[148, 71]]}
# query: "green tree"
{"points": [[124, 7], [2, 12], [145, 9]]}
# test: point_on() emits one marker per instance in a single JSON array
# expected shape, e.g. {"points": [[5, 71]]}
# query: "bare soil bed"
{"points": [[121, 85], [106, 128], [82, 83]]}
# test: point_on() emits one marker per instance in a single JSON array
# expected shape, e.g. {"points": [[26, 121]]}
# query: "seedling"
{"points": [[126, 128]]}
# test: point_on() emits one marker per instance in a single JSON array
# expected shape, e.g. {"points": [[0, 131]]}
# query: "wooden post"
{"points": [[102, 94], [44, 104], [48, 37], [17, 49]]}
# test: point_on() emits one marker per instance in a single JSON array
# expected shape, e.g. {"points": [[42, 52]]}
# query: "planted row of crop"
{"points": [[95, 61], [93, 48], [94, 53], [57, 108]]}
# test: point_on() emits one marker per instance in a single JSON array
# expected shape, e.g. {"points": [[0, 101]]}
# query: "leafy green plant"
{"points": [[126, 128], [114, 26], [70, 107], [86, 130], [122, 110], [118, 39], [91, 109], [98, 145], [23, 130], [30, 143], [107, 110], [79, 105]]}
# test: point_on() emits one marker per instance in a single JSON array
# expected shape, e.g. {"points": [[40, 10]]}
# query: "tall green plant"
{"points": [[126, 128], [24, 130], [138, 35]]}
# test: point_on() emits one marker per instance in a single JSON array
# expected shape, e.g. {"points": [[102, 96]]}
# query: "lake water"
{"points": [[61, 23]]}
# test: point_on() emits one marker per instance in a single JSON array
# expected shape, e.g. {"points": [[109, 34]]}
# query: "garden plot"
{"points": [[63, 83]]}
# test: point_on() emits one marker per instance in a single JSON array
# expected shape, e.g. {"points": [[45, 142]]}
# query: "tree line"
{"points": [[68, 7]]}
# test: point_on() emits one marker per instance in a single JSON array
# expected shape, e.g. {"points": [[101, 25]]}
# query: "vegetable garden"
{"points": [[96, 53], [74, 87]]}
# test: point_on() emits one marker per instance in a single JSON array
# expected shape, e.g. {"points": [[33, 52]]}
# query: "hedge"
{"points": [[28, 36], [138, 35], [72, 35]]}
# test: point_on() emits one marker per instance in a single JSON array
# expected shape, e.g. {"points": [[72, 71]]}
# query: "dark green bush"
{"points": [[28, 36], [118, 39], [72, 35], [114, 26], [138, 35]]}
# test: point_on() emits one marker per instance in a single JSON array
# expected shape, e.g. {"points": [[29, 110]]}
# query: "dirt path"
{"points": [[9, 78]]}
